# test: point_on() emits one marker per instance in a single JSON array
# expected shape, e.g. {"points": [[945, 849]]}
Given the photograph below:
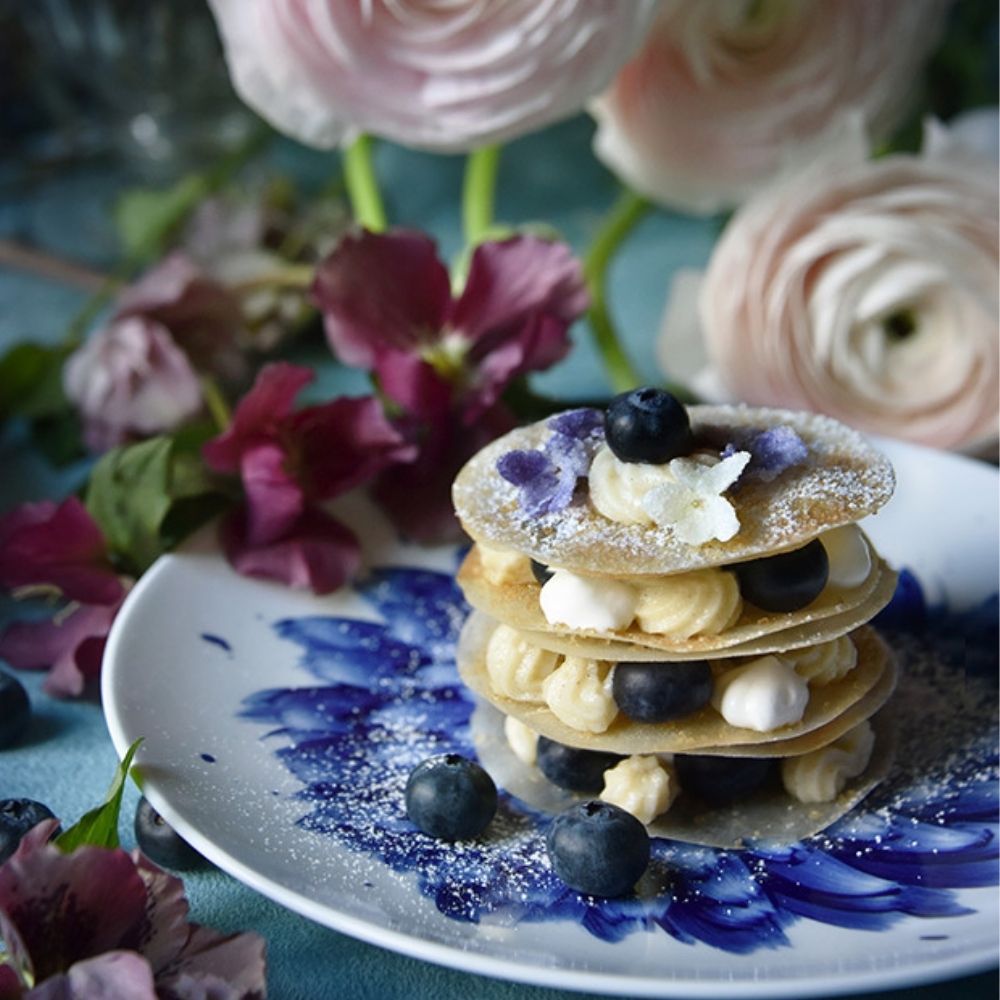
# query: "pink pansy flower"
{"points": [[99, 922], [204, 318], [443, 76], [291, 461], [60, 546], [130, 380], [388, 306]]}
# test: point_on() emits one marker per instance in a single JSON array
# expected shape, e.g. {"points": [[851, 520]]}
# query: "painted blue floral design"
{"points": [[386, 695]]}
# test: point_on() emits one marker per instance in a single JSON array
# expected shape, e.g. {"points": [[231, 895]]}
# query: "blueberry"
{"points": [[598, 849], [572, 768], [541, 572], [450, 797], [721, 780], [647, 425], [787, 581], [17, 817], [15, 710], [659, 692], [160, 842]]}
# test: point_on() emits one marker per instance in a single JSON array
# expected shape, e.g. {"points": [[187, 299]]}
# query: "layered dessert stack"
{"points": [[670, 608]]}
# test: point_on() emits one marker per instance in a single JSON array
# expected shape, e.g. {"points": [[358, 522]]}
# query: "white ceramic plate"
{"points": [[279, 729]]}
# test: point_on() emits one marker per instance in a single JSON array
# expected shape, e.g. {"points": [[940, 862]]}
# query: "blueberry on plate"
{"points": [[572, 768], [160, 842], [541, 572], [15, 710], [450, 797], [647, 425], [598, 849], [721, 780], [787, 581], [659, 692], [17, 817]]}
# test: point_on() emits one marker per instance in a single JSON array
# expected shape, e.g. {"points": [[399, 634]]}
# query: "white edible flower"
{"points": [[693, 505]]}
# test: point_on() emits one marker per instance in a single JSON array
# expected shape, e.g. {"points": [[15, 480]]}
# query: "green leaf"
{"points": [[31, 381], [99, 826], [148, 217], [133, 490], [127, 496]]}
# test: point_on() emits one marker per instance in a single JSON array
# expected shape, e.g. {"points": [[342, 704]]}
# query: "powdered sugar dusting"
{"points": [[843, 480]]}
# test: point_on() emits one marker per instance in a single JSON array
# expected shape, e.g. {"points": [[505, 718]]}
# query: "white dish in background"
{"points": [[195, 640]]}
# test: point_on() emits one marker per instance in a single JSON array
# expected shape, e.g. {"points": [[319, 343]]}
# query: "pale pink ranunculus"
{"points": [[445, 75], [130, 379], [723, 93], [864, 289]]}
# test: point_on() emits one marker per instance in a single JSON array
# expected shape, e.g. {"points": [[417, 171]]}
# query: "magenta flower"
{"points": [[290, 462], [388, 307], [98, 922], [59, 546]]}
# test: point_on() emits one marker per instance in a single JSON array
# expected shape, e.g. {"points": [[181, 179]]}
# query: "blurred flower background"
{"points": [[791, 204]]}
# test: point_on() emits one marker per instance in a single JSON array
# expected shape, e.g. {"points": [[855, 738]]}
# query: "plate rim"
{"points": [[935, 969]]}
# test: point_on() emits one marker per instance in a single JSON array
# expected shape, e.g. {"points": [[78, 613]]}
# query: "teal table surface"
{"points": [[67, 758]]}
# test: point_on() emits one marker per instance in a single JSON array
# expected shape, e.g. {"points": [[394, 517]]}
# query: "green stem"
{"points": [[293, 276], [218, 408], [624, 215], [479, 192], [362, 186]]}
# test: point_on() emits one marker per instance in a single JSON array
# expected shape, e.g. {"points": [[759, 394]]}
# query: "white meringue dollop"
{"points": [[848, 554], [762, 695], [587, 602]]}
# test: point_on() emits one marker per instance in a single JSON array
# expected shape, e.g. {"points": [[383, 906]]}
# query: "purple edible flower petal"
{"points": [[772, 452], [582, 423], [522, 467]]}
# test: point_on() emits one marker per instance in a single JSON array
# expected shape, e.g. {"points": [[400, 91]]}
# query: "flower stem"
{"points": [[218, 408], [362, 185], [293, 276], [479, 192], [624, 215]]}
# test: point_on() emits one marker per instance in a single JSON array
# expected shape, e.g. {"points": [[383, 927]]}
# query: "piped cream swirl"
{"points": [[702, 602], [643, 785], [824, 663], [820, 776], [515, 668]]}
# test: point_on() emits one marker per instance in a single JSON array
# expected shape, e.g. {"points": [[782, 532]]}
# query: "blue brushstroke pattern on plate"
{"points": [[387, 695]]}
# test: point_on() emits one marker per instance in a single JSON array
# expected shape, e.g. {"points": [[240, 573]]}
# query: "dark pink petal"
{"points": [[274, 499], [115, 975], [381, 292], [232, 967], [537, 344], [318, 553], [69, 907], [511, 280], [61, 545], [166, 911], [70, 647], [417, 496], [10, 985], [413, 383], [259, 415], [343, 444]]}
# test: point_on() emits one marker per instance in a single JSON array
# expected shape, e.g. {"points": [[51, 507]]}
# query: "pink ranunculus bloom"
{"points": [[864, 289], [99, 922], [721, 94], [290, 461], [440, 76], [130, 380], [57, 545], [388, 307]]}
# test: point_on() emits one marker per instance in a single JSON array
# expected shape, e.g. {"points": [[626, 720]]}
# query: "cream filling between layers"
{"points": [[820, 776]]}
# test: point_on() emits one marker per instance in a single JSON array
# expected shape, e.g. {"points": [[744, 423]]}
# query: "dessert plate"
{"points": [[279, 729]]}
